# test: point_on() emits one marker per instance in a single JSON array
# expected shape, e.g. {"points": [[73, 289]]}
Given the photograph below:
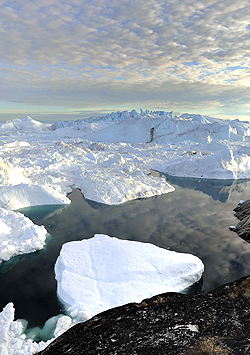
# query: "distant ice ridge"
{"points": [[96, 274], [110, 117]]}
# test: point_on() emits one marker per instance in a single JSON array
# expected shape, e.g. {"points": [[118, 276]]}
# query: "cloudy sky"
{"points": [[61, 59]]}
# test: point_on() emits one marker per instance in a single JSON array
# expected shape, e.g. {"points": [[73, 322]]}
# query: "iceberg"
{"points": [[15, 340], [110, 157], [19, 235], [25, 195], [112, 190], [25, 124], [102, 272]]}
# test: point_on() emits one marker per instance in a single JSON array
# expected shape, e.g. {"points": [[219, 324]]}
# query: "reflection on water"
{"points": [[42, 212], [217, 189], [193, 219]]}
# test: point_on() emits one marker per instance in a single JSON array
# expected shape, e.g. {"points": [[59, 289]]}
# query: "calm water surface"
{"points": [[195, 218]]}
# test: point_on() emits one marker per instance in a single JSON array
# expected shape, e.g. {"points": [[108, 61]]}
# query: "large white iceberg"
{"points": [[19, 235], [96, 274]]}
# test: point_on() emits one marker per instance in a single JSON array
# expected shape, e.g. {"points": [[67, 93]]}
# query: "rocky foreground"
{"points": [[214, 322]]}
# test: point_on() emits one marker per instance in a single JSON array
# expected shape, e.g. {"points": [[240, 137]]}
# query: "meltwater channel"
{"points": [[195, 219]]}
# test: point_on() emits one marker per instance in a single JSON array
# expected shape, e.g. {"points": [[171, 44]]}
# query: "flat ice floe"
{"points": [[96, 274], [19, 235]]}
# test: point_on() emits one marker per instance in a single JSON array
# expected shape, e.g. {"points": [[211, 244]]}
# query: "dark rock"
{"points": [[210, 322], [242, 212]]}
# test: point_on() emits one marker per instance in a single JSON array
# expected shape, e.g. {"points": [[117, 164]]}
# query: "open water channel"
{"points": [[195, 219]]}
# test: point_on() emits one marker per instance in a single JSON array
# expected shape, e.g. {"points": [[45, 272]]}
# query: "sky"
{"points": [[69, 60]]}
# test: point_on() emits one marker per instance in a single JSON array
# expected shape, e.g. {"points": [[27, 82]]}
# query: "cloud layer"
{"points": [[83, 54]]}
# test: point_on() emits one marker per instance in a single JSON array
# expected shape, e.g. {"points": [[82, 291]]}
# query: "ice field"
{"points": [[111, 159]]}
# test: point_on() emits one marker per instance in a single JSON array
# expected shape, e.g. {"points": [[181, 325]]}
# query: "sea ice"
{"points": [[96, 274], [19, 235], [110, 157]]}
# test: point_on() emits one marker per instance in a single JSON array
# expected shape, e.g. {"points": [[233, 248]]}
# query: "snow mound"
{"points": [[18, 235], [11, 174], [96, 274]]}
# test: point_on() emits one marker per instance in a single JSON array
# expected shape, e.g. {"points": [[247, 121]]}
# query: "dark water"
{"points": [[193, 219]]}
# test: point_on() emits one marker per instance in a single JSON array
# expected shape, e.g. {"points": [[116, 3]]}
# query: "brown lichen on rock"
{"points": [[241, 290], [208, 346]]}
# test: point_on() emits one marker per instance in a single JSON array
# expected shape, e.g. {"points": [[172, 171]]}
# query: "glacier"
{"points": [[110, 158]]}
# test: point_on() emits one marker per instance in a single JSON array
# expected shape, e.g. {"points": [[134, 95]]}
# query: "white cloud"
{"points": [[65, 51]]}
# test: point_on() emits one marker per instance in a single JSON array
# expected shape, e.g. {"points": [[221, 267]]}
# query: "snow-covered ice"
{"points": [[19, 235], [96, 274], [110, 157]]}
